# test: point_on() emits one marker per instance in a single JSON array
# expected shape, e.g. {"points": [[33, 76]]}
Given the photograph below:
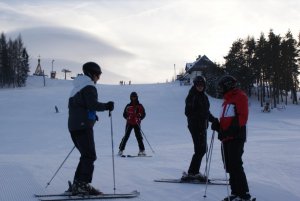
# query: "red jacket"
{"points": [[134, 113], [234, 114]]}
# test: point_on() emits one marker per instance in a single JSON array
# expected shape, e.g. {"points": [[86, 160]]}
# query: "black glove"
{"points": [[242, 133], [109, 106], [233, 132], [215, 125], [222, 135]]}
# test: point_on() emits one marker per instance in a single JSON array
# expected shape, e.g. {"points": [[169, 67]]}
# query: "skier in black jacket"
{"points": [[83, 104], [198, 115]]}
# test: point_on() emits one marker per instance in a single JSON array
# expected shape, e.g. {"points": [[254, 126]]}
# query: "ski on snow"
{"points": [[210, 182], [251, 199], [63, 196], [134, 156]]}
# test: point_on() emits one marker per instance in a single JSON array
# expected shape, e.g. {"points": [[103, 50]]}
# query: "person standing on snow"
{"points": [[134, 113], [83, 104], [232, 133], [198, 115]]}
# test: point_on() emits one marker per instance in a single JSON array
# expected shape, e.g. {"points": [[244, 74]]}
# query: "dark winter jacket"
{"points": [[234, 116], [134, 112], [83, 104], [197, 109]]}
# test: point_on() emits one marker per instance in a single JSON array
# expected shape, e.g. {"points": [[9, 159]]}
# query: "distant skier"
{"points": [[266, 107], [83, 104], [198, 114], [232, 133], [134, 113]]}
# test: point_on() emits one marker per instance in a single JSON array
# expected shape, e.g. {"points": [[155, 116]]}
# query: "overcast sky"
{"points": [[140, 40]]}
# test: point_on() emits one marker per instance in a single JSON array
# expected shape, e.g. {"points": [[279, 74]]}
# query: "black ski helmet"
{"points": [[91, 68], [226, 83], [133, 94], [199, 79]]}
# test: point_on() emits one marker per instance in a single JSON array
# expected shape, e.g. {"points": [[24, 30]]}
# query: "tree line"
{"points": [[14, 62], [267, 67]]}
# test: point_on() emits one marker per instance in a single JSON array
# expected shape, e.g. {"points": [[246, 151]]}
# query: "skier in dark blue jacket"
{"points": [[83, 104]]}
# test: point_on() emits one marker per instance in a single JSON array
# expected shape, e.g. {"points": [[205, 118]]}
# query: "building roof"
{"points": [[199, 64]]}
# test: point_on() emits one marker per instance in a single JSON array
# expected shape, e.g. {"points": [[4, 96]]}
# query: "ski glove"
{"points": [[109, 106], [233, 133], [215, 125]]}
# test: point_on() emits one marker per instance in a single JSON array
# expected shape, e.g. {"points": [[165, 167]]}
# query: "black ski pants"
{"points": [[233, 151], [84, 142], [138, 135], [200, 147]]}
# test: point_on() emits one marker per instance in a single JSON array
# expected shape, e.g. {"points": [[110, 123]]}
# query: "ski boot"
{"points": [[84, 188], [120, 153], [192, 177], [231, 198], [69, 190], [142, 153]]}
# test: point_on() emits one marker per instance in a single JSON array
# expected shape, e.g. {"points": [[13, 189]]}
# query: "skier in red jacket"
{"points": [[134, 113], [232, 133]]}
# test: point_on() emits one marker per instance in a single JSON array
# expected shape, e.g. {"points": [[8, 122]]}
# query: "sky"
{"points": [[142, 41]]}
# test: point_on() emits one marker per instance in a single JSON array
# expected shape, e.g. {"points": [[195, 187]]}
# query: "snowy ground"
{"points": [[35, 140]]}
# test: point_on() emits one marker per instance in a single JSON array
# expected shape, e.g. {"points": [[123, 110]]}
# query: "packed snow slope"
{"points": [[34, 141]]}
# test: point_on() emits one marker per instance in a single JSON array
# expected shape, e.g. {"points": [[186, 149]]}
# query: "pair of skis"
{"points": [[133, 194], [134, 156], [66, 196], [194, 181]]}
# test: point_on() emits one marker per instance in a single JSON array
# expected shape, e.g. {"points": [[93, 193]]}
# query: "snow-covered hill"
{"points": [[34, 140]]}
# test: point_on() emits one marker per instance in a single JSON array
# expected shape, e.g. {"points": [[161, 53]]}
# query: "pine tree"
{"points": [[249, 53], [14, 62], [4, 68], [24, 67], [289, 54], [260, 67], [212, 74], [273, 73], [236, 65]]}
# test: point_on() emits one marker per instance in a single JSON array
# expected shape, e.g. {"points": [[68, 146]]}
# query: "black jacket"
{"points": [[83, 104], [197, 109]]}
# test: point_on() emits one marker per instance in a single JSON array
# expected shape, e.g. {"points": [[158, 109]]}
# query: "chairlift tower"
{"points": [[38, 70], [53, 73]]}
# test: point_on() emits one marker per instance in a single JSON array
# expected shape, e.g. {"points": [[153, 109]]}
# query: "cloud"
{"points": [[142, 40], [61, 42], [71, 48]]}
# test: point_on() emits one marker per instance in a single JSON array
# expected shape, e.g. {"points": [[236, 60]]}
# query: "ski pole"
{"points": [[146, 138], [207, 154], [223, 155], [209, 161], [112, 151], [60, 167]]}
